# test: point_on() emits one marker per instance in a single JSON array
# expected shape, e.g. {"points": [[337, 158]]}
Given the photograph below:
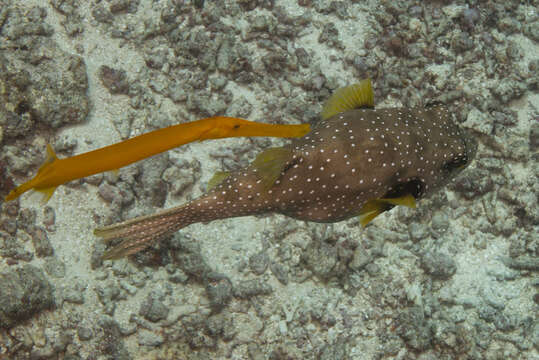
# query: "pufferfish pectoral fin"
{"points": [[373, 208], [217, 178], [270, 163], [405, 200], [348, 98]]}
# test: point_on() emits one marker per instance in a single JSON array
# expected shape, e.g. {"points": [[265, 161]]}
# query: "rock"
{"points": [[361, 258], [220, 325], [258, 263], [479, 121], [114, 80], [280, 271], [153, 186], [417, 231], [11, 247], [110, 340], [321, 259], [25, 292], [149, 338], [414, 330], [249, 288], [475, 182], [74, 292], [179, 179], [218, 289], [438, 265], [534, 135], [44, 60], [55, 267], [153, 309], [84, 333]]}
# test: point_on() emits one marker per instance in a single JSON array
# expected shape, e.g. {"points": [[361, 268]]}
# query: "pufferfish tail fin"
{"points": [[375, 207], [139, 233], [348, 98]]}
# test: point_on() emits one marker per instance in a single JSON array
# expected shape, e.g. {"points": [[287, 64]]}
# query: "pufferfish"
{"points": [[356, 161]]}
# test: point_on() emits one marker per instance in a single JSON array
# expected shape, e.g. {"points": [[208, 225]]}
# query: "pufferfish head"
{"points": [[455, 165], [446, 150]]}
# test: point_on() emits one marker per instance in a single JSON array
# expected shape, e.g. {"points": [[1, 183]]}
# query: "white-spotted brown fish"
{"points": [[356, 161]]}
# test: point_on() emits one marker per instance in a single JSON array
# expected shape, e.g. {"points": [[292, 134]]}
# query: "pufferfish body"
{"points": [[354, 162]]}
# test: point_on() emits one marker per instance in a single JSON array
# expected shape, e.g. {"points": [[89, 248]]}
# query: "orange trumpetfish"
{"points": [[55, 172]]}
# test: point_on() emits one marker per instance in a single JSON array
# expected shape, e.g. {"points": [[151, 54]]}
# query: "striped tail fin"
{"points": [[139, 233]]}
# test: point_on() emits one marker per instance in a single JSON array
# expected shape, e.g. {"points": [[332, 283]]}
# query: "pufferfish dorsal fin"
{"points": [[270, 163], [348, 98], [373, 208], [217, 178]]}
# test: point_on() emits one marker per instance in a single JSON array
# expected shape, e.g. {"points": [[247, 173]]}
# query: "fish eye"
{"points": [[456, 163]]}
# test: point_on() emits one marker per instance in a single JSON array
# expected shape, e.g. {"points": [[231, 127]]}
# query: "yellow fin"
{"points": [[365, 218], [373, 208], [349, 98], [270, 163], [217, 178], [51, 157], [47, 194], [405, 200], [29, 185]]}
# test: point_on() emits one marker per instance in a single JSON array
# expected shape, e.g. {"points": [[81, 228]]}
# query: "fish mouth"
{"points": [[460, 162]]}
